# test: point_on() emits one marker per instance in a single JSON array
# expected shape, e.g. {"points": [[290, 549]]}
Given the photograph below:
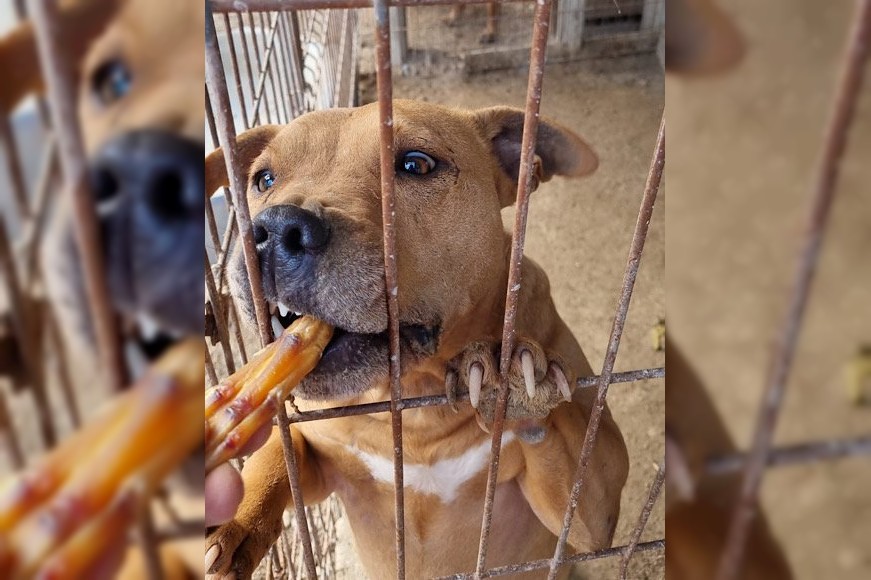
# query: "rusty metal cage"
{"points": [[228, 118], [280, 40]]}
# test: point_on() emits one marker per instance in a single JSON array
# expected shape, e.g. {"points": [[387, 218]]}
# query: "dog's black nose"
{"points": [[158, 175], [290, 229]]}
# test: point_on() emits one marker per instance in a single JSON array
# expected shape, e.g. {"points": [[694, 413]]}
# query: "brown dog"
{"points": [[141, 111], [313, 187]]}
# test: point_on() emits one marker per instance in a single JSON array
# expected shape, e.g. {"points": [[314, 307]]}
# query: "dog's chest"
{"points": [[442, 478], [434, 474]]}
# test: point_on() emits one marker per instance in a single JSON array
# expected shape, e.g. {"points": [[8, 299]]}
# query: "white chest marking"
{"points": [[443, 478]]}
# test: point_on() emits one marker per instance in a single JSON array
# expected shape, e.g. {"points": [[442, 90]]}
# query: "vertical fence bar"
{"points": [[224, 127], [61, 89], [653, 494], [13, 166], [646, 211], [388, 216], [221, 318], [825, 181], [524, 188]]}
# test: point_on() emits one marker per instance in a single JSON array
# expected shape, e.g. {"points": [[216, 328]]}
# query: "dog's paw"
{"points": [[235, 549], [538, 381]]}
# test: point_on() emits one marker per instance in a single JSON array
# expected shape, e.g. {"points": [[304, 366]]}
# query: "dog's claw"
{"points": [[476, 380], [451, 379], [212, 556], [562, 383], [528, 366]]}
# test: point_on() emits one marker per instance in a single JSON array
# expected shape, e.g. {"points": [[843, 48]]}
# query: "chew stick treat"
{"points": [[249, 398], [59, 512]]}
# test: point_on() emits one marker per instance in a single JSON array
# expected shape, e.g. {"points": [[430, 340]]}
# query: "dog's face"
{"points": [[314, 194], [141, 110]]}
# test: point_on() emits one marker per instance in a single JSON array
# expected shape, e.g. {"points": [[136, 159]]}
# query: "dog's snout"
{"points": [[158, 174], [291, 229]]}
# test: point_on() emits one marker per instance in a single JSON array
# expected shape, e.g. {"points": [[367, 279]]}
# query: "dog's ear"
{"points": [[248, 146], [558, 151], [78, 23], [699, 39]]}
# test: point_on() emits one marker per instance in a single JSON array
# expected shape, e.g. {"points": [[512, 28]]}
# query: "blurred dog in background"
{"points": [[141, 111]]}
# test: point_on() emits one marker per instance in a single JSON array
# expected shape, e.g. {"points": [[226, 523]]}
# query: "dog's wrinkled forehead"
{"points": [[339, 149]]}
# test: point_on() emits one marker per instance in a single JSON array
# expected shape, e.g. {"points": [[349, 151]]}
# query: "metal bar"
{"points": [[264, 68], [13, 166], [279, 5], [210, 369], [512, 569], [7, 427], [281, 71], [793, 454], [270, 62], [653, 494], [292, 89], [224, 125], [52, 328], [23, 329], [234, 60], [220, 317], [33, 229], [148, 541], [438, 400], [62, 89], [541, 24], [296, 492], [825, 181], [651, 188], [391, 279], [250, 72]]}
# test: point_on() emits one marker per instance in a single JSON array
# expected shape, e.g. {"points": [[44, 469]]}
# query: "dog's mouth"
{"points": [[358, 357], [146, 339]]}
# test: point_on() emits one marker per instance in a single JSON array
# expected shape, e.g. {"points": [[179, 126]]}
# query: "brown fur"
{"points": [[698, 516], [453, 267]]}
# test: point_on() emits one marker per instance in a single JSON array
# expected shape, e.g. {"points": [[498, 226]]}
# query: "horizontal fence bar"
{"points": [[794, 454], [280, 5], [436, 400], [542, 564]]}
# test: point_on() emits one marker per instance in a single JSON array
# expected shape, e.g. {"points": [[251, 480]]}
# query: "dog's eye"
{"points": [[264, 180], [416, 163], [111, 82]]}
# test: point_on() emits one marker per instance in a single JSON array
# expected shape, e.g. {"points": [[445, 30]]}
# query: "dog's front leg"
{"points": [[549, 469], [238, 546]]}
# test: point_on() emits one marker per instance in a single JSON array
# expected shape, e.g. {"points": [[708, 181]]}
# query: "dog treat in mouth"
{"points": [[249, 398], [73, 506]]}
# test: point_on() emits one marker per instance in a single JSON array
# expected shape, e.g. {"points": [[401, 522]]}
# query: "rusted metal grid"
{"points": [[32, 342], [221, 119]]}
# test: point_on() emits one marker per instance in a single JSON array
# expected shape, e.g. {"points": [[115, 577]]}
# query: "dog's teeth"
{"points": [[297, 313], [562, 383], [277, 328], [148, 327], [476, 379], [282, 309], [528, 372]]}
